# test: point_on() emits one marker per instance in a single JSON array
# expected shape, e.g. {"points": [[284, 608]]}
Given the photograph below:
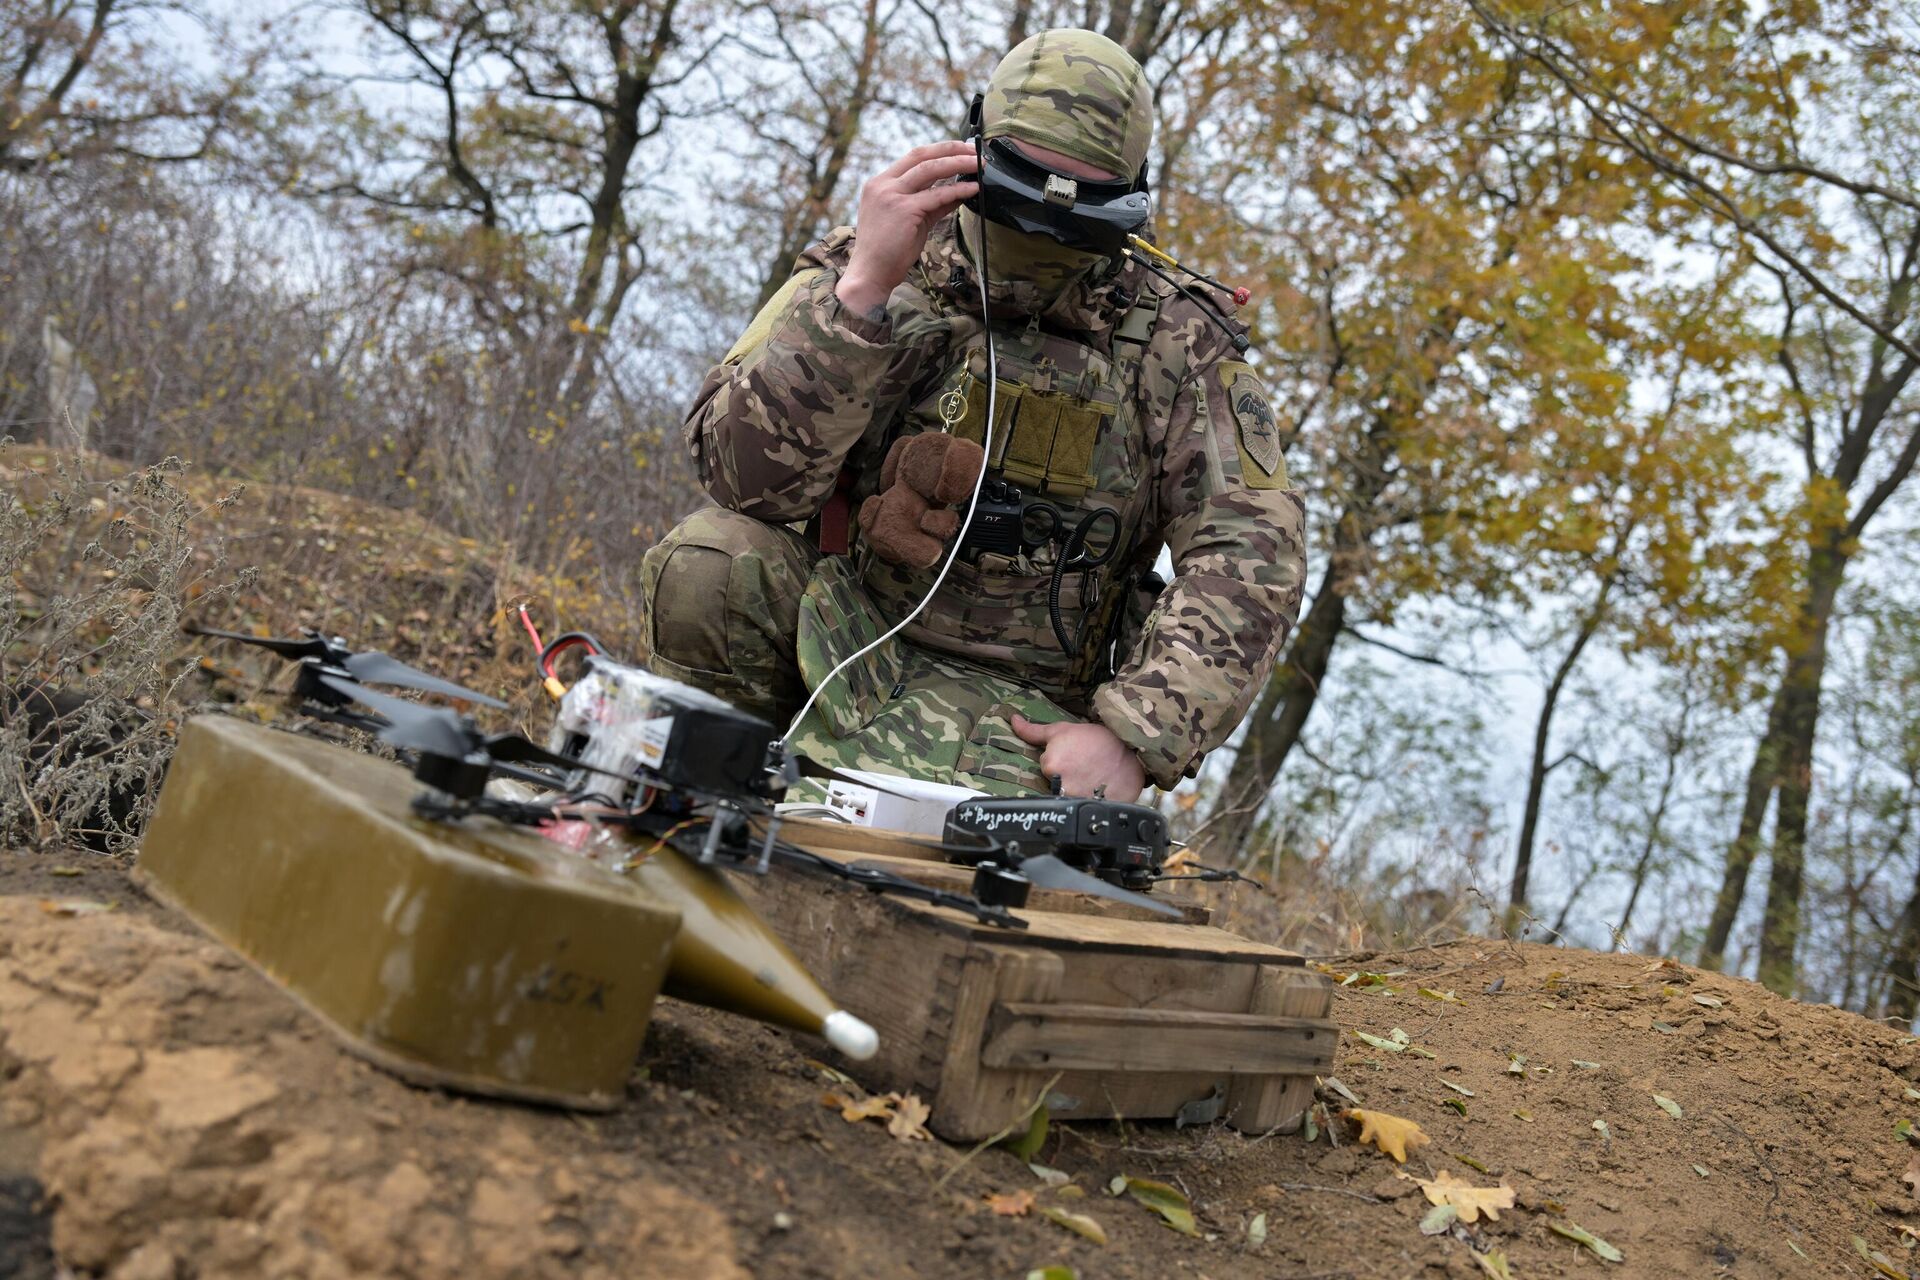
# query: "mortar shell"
{"points": [[725, 956]]}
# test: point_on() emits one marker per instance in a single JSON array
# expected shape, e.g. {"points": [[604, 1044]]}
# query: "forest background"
{"points": [[1591, 325]]}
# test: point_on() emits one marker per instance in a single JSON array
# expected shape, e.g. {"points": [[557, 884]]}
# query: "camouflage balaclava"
{"points": [[1078, 93]]}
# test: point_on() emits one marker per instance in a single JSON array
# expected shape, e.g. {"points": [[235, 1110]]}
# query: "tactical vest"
{"points": [[1068, 431]]}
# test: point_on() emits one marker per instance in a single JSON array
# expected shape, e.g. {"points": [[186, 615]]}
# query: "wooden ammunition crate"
{"points": [[1127, 1014]]}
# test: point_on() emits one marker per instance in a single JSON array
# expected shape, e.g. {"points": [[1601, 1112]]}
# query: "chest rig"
{"points": [[1050, 555]]}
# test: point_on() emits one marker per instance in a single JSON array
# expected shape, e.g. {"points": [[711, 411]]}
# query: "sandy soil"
{"points": [[164, 1112]]}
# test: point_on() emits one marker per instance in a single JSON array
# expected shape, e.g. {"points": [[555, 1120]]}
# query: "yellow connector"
{"points": [[1153, 251], [554, 688]]}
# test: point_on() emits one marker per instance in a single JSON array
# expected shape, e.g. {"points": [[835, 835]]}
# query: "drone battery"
{"points": [[635, 722], [475, 957], [713, 750]]}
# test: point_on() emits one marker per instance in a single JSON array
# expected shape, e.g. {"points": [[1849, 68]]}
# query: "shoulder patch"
{"points": [[1259, 429]]}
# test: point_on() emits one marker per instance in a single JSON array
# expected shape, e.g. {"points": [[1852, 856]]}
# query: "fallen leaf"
{"points": [[1011, 1204], [1333, 1083], [1600, 1127], [1444, 997], [1469, 1200], [1169, 1202], [1667, 1105], [1058, 1271], [1878, 1261], [1381, 1042], [1438, 1220], [1516, 1064], [878, 1107], [1390, 1134], [1912, 1176], [1580, 1235], [73, 907], [1460, 1089], [1524, 1115], [831, 1075], [1078, 1223], [909, 1123], [1257, 1231], [1711, 1002], [1051, 1177], [65, 871], [1471, 1163], [1027, 1145], [1703, 1171], [1664, 1028], [1585, 1066], [1456, 1104], [1903, 1129], [1495, 1265], [1913, 1092]]}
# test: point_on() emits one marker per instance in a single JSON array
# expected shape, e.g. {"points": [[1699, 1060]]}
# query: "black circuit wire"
{"points": [[1240, 340]]}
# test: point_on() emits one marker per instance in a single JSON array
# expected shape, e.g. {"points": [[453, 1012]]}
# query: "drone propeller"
{"points": [[438, 732], [1049, 872], [372, 667]]}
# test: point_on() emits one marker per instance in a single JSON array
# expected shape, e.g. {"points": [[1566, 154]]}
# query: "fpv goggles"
{"points": [[1078, 212]]}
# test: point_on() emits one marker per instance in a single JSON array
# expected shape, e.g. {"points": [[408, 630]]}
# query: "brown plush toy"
{"points": [[911, 519]]}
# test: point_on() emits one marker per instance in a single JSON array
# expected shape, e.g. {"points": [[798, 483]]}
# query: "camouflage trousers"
{"points": [[752, 613]]}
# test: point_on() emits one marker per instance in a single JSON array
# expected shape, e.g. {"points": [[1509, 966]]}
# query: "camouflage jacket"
{"points": [[1187, 455]]}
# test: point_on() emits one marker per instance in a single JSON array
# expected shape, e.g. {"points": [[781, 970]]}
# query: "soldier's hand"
{"points": [[898, 207], [1085, 757]]}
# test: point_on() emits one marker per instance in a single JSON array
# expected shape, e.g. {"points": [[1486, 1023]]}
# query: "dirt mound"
{"points": [[184, 1120]]}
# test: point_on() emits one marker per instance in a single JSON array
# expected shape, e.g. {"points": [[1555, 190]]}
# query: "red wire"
{"points": [[531, 630]]}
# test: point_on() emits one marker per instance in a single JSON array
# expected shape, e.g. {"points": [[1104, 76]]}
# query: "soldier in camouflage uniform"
{"points": [[1116, 394]]}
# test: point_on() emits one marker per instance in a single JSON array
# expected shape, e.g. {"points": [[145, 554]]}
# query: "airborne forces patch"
{"points": [[1260, 461]]}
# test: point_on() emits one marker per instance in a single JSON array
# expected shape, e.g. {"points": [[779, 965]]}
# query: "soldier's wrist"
{"points": [[863, 297]]}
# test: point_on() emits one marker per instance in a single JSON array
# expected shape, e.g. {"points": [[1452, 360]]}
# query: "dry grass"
{"points": [[88, 650]]}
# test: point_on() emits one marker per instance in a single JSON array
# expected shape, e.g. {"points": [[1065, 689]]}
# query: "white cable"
{"points": [[993, 387]]}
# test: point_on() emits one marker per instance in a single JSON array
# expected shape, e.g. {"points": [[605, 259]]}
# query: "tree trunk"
{"points": [[1903, 985], [1647, 849], [1538, 771], [1761, 778], [1277, 720], [1780, 926]]}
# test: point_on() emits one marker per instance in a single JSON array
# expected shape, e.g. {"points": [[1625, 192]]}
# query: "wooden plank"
{"points": [[846, 839], [975, 1101], [1115, 1096], [1136, 1095], [1086, 1037], [930, 981], [904, 982], [1153, 938], [1259, 1104], [1162, 982]]}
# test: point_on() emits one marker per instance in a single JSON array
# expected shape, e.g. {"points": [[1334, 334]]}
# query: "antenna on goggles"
{"points": [[1145, 255]]}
